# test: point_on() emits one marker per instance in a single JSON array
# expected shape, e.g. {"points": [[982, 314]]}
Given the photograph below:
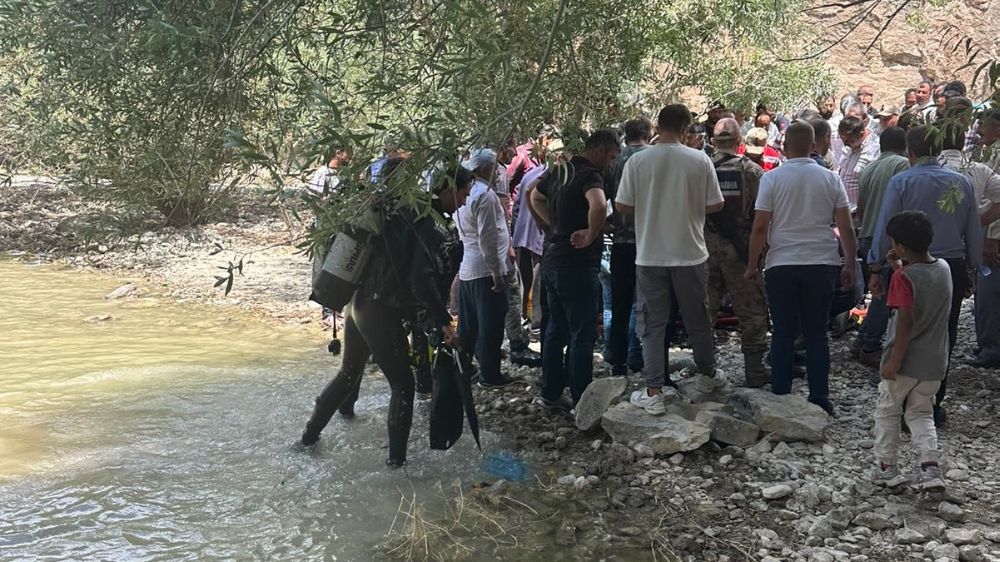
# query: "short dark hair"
{"points": [[920, 143], [893, 139], [909, 91], [808, 115], [456, 176], [928, 82], [639, 128], [604, 138], [912, 229], [674, 118], [799, 137], [954, 121], [990, 116], [821, 127], [955, 88], [851, 126]]}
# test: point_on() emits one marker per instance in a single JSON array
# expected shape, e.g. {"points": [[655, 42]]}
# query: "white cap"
{"points": [[479, 157]]}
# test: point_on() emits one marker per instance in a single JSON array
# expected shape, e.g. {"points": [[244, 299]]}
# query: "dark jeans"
{"points": [[988, 316], [570, 320], [623, 347], [481, 313], [371, 328], [873, 329], [960, 284], [800, 296]]}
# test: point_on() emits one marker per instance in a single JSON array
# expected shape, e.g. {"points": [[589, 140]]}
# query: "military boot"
{"points": [[757, 375]]}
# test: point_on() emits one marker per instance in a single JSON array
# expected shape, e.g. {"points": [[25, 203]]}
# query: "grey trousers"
{"points": [[653, 304]]}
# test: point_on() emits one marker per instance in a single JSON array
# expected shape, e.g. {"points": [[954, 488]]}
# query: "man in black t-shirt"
{"points": [[569, 203]]}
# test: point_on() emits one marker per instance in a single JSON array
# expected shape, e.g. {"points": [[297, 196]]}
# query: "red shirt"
{"points": [[900, 291], [771, 157]]}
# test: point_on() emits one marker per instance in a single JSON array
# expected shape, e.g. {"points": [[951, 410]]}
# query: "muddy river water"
{"points": [[143, 429]]}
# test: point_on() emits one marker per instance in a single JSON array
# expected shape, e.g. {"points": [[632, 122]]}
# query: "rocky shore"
{"points": [[729, 474]]}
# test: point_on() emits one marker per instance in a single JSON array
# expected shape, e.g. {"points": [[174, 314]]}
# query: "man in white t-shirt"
{"points": [[670, 188], [795, 207]]}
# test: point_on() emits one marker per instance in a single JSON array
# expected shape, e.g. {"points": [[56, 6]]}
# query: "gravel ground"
{"points": [[706, 505]]}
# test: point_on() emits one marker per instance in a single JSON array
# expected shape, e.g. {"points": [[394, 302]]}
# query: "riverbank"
{"points": [[623, 501]]}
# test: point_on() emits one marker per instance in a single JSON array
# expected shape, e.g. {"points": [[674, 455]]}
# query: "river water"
{"points": [[165, 432]]}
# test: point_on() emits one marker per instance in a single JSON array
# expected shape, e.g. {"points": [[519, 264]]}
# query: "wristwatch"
{"points": [[875, 268]]}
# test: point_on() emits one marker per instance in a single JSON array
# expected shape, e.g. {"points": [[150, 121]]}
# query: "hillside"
{"points": [[919, 43]]}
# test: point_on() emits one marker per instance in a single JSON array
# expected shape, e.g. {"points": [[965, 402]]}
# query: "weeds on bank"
{"points": [[464, 527]]}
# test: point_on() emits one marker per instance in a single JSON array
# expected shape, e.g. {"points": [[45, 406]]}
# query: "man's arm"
{"points": [[972, 231], [714, 208], [758, 237], [487, 211], [990, 216], [625, 197], [850, 244], [597, 216], [539, 206]]}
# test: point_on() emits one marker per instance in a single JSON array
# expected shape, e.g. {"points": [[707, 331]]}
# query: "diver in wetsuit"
{"points": [[410, 256]]}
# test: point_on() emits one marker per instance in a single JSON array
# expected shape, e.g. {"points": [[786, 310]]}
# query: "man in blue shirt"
{"points": [[948, 199]]}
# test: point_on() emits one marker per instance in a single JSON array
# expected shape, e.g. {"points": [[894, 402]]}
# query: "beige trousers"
{"points": [[918, 398]]}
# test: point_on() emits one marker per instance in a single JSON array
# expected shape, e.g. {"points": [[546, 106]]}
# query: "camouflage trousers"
{"points": [[725, 275]]}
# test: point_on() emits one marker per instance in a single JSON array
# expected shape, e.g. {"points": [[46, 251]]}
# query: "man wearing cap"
{"points": [[757, 149], [727, 234], [482, 300], [888, 117]]}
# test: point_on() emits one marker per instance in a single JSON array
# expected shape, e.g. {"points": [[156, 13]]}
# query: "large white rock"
{"points": [[596, 399], [789, 417], [666, 435]]}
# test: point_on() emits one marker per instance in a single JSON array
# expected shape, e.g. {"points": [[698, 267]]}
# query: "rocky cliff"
{"points": [[919, 43]]}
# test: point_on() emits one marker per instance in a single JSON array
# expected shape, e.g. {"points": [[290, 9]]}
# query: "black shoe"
{"points": [[982, 363], [502, 382], [526, 357], [395, 463], [827, 407], [619, 371], [308, 439], [346, 411], [940, 416], [562, 405]]}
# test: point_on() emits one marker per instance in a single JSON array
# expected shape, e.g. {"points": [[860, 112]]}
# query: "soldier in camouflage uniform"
{"points": [[727, 235]]}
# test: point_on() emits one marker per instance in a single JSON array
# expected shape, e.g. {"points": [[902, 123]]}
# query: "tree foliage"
{"points": [[161, 107]]}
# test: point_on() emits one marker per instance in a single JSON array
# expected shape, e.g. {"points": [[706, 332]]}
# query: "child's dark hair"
{"points": [[912, 229]]}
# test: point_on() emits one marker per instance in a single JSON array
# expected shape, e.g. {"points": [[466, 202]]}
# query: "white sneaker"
{"points": [[652, 404]]}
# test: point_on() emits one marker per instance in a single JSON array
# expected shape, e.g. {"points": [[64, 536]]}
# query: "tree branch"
{"points": [[837, 41], [892, 17]]}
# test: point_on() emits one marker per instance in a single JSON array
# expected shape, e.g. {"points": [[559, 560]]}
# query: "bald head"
{"points": [[799, 139], [726, 134]]}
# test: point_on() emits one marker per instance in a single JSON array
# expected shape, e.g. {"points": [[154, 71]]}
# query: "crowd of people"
{"points": [[786, 219]]}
